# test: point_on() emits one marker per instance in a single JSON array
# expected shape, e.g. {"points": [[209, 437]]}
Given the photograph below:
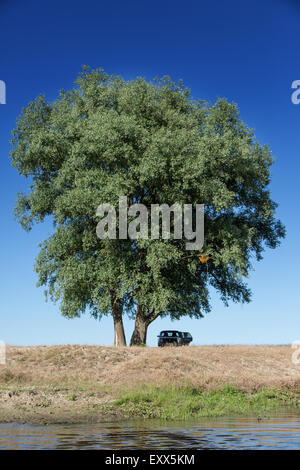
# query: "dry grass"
{"points": [[248, 368]]}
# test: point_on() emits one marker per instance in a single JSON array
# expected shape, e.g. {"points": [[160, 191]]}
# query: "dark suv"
{"points": [[170, 337]]}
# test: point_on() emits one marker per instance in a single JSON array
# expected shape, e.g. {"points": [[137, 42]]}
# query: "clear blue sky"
{"points": [[246, 51]]}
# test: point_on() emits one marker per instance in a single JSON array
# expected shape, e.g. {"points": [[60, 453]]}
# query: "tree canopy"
{"points": [[151, 142]]}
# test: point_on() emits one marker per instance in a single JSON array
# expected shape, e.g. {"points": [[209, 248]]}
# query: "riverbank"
{"points": [[76, 384]]}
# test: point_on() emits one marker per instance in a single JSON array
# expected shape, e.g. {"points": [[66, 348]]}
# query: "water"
{"points": [[281, 432]]}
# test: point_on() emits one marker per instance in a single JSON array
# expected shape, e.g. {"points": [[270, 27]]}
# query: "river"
{"points": [[278, 432]]}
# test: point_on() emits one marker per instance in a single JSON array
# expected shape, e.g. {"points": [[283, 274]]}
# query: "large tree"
{"points": [[151, 142]]}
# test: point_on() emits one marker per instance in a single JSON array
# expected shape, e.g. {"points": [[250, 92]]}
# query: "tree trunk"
{"points": [[119, 333], [119, 337], [139, 334], [142, 321]]}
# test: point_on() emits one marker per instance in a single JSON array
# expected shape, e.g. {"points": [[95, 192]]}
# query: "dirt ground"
{"points": [[76, 383]]}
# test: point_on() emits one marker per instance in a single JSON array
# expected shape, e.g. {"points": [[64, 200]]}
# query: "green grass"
{"points": [[43, 404], [72, 397], [159, 402], [187, 402]]}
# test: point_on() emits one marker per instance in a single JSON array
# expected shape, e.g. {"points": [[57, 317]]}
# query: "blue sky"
{"points": [[247, 52]]}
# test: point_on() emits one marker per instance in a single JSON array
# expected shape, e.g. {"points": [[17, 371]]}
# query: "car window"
{"points": [[171, 334]]}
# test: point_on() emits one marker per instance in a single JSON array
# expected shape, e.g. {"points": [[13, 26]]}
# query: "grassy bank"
{"points": [[92, 383], [189, 402]]}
